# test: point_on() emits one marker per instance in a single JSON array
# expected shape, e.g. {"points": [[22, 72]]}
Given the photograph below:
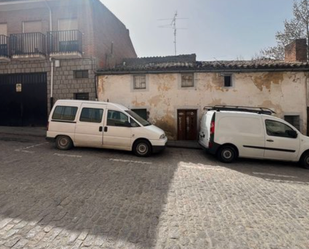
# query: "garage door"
{"points": [[23, 99]]}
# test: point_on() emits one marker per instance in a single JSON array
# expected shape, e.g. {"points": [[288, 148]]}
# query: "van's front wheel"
{"points": [[64, 143], [227, 154], [142, 148]]}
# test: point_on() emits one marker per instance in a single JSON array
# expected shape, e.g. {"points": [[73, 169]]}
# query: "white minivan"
{"points": [[230, 132], [102, 125]]}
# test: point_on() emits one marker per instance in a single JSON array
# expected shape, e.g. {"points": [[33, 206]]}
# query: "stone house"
{"points": [[50, 49], [172, 91]]}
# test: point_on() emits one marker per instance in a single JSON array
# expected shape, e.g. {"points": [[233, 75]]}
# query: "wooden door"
{"points": [[187, 124]]}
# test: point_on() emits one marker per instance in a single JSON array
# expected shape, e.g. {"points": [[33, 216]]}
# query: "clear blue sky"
{"points": [[215, 29]]}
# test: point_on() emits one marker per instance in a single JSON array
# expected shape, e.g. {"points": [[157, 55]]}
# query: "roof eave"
{"points": [[201, 70]]}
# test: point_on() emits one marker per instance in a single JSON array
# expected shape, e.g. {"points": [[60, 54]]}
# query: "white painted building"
{"points": [[172, 91]]}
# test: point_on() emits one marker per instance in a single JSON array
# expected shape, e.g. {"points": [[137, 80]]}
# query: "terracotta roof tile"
{"points": [[188, 62]]}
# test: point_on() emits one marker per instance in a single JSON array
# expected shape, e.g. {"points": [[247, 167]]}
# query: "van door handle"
{"points": [[100, 128], [269, 140], [105, 129]]}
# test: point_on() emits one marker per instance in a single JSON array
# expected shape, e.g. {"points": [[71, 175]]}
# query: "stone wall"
{"points": [[65, 85], [284, 92]]}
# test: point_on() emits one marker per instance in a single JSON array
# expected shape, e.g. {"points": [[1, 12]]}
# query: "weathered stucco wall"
{"points": [[285, 92]]}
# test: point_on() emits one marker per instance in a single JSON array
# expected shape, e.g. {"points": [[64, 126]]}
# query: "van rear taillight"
{"points": [[212, 128]]}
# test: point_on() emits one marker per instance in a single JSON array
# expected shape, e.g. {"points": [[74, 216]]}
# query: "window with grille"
{"points": [[228, 81], [141, 112], [139, 81], [293, 120], [81, 96], [187, 80], [81, 74]]}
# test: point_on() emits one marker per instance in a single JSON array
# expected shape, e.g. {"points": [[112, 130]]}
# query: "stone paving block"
{"points": [[178, 199]]}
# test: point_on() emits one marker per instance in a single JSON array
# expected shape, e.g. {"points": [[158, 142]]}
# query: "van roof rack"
{"points": [[259, 110]]}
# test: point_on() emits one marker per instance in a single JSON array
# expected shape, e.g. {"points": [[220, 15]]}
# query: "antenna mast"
{"points": [[173, 25], [175, 31]]}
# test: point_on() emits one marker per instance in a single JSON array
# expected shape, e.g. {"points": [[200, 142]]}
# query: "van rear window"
{"points": [[65, 113]]}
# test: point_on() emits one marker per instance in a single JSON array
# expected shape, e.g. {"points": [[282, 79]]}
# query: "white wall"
{"points": [[285, 92]]}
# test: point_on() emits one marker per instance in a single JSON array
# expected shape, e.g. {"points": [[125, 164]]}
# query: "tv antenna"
{"points": [[172, 25]]}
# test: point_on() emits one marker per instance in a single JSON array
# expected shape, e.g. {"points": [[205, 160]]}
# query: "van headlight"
{"points": [[162, 136]]}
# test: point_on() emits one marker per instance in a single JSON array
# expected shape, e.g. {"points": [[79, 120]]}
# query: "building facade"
{"points": [[173, 91], [50, 49]]}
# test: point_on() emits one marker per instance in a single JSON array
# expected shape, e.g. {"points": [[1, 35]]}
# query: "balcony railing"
{"points": [[4, 48], [27, 44], [64, 42]]}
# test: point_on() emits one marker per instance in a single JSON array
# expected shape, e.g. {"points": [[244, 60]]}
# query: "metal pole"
{"points": [[50, 59]]}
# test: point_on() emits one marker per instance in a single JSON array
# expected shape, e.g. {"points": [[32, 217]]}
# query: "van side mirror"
{"points": [[292, 134]]}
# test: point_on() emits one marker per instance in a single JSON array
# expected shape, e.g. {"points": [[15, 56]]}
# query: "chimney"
{"points": [[296, 51]]}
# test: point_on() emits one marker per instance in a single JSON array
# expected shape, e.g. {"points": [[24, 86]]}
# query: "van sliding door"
{"points": [[89, 126]]}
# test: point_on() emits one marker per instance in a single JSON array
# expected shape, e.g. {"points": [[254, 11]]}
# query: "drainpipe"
{"points": [[51, 60], [51, 83]]}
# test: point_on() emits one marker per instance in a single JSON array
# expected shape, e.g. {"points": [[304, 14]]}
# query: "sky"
{"points": [[212, 29]]}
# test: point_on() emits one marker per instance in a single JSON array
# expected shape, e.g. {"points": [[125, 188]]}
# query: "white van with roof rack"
{"points": [[102, 125], [251, 132]]}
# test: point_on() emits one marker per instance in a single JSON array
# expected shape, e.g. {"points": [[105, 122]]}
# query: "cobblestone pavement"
{"points": [[88, 198]]}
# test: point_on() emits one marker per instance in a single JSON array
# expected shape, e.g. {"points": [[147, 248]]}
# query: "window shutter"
{"points": [[32, 27], [3, 29]]}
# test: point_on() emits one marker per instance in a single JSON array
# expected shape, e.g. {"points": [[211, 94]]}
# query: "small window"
{"points": [[81, 74], [293, 120], [115, 118], [187, 80], [66, 113], [139, 81], [92, 115], [227, 80], [81, 96], [141, 112], [278, 129], [3, 29], [32, 27], [67, 24]]}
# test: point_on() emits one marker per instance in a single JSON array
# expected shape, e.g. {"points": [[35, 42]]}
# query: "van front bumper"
{"points": [[157, 149], [158, 145]]}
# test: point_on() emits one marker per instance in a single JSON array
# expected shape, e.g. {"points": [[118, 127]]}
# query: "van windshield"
{"points": [[142, 121]]}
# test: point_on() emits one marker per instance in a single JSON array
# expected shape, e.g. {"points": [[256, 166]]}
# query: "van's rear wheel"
{"points": [[142, 148], [304, 160], [227, 154], [64, 143]]}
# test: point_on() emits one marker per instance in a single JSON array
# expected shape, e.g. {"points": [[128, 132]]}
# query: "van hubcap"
{"points": [[142, 149], [63, 142], [227, 154]]}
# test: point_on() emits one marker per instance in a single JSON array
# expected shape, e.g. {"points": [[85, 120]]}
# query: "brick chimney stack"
{"points": [[296, 51]]}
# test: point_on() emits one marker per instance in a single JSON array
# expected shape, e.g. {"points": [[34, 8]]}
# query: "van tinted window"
{"points": [[278, 129], [66, 113], [115, 118], [92, 115]]}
